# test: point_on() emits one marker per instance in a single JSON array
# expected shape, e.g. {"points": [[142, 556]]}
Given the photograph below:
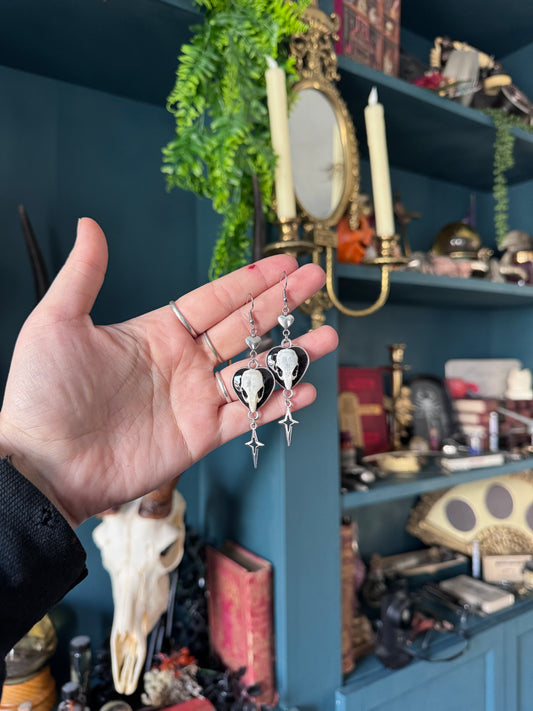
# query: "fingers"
{"points": [[227, 337], [74, 290], [213, 302]]}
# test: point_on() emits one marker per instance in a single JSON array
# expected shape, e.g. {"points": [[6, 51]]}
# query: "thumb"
{"points": [[74, 290]]}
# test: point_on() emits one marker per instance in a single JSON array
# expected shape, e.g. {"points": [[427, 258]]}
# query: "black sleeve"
{"points": [[41, 558]]}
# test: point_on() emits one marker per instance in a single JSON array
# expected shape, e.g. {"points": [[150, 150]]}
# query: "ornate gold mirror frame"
{"points": [[329, 157]]}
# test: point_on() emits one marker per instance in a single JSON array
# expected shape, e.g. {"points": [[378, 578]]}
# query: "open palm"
{"points": [[98, 415]]}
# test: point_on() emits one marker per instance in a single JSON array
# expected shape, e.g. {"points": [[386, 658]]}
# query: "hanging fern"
{"points": [[219, 104], [503, 162]]}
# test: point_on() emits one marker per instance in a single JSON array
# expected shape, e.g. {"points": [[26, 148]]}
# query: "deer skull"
{"points": [[138, 552]]}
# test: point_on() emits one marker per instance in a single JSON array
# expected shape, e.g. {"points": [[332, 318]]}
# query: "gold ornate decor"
{"points": [[496, 512], [325, 166]]}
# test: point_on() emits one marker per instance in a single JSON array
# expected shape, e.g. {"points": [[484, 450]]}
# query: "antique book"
{"points": [[473, 418], [196, 704], [367, 384], [240, 612], [483, 596], [475, 405]]}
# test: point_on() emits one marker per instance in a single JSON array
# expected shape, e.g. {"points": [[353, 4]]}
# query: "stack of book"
{"points": [[473, 416]]}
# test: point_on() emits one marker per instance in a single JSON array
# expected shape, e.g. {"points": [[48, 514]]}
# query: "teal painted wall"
{"points": [[68, 152]]}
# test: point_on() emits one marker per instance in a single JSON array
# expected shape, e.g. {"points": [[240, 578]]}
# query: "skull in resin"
{"points": [[252, 385], [286, 366], [138, 552]]}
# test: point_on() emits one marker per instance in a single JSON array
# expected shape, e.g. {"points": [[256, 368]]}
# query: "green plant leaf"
{"points": [[222, 133]]}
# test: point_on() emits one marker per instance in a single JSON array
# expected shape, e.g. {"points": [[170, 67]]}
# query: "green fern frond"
{"points": [[222, 135]]}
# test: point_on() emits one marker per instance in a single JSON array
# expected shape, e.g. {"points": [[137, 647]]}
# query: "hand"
{"points": [[98, 415]]}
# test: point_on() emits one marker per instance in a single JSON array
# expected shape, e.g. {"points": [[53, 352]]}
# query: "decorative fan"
{"points": [[497, 512]]}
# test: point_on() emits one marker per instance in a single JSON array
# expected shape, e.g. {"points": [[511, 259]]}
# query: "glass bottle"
{"points": [[80, 665], [70, 697]]}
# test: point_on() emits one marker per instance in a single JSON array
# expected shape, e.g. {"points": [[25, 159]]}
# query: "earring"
{"points": [[288, 364], [253, 385]]}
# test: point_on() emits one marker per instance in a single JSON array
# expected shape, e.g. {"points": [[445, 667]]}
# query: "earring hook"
{"points": [[251, 299], [285, 279]]}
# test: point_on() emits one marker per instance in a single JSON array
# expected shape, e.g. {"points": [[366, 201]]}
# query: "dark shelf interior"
{"points": [[117, 46], [495, 28], [428, 134]]}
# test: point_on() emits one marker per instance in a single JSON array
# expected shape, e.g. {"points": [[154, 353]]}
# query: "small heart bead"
{"points": [[253, 341], [286, 321]]}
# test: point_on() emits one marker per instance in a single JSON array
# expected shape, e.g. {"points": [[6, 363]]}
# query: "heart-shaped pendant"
{"points": [[287, 365], [286, 321], [253, 386], [252, 342]]}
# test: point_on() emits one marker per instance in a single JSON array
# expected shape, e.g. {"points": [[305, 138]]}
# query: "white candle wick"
{"points": [[373, 96], [272, 64]]}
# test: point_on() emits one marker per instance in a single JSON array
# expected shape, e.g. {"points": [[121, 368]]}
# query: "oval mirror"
{"points": [[317, 153]]}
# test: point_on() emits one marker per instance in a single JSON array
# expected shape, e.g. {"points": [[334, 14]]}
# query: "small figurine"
{"points": [[519, 384], [403, 411]]}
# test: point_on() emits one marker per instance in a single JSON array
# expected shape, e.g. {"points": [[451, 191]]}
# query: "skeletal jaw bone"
{"points": [[138, 554]]}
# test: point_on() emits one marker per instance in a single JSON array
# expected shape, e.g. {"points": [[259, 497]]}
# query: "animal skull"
{"points": [[138, 553], [286, 366], [252, 385]]}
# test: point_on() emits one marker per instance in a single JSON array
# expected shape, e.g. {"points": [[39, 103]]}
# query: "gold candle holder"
{"points": [[389, 252], [289, 241]]}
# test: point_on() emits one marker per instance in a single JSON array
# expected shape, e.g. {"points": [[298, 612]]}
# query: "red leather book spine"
{"points": [[367, 384], [240, 615]]}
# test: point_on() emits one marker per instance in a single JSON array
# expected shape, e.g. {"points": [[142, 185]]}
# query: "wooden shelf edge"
{"points": [[370, 670], [392, 489], [406, 286]]}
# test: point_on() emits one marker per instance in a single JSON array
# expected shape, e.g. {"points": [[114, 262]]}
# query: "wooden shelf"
{"points": [[369, 669], [361, 283], [431, 479], [428, 134]]}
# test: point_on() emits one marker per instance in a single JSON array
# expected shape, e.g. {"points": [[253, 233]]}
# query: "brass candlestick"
{"points": [[289, 241], [401, 408], [389, 252]]}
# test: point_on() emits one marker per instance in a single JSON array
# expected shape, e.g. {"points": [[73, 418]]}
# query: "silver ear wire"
{"points": [[253, 385], [287, 363]]}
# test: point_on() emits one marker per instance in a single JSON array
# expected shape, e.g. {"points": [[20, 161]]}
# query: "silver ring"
{"points": [[182, 319], [212, 347], [223, 388]]}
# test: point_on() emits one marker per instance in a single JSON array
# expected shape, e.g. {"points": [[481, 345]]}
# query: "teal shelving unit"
{"points": [[83, 88]]}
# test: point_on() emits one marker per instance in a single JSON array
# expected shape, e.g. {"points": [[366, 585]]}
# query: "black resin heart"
{"points": [[253, 386], [287, 365]]}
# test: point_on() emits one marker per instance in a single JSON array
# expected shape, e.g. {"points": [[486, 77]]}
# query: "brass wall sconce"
{"points": [[325, 165]]}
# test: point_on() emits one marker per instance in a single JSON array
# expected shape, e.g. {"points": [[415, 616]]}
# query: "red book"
{"points": [[367, 384], [191, 705], [240, 615]]}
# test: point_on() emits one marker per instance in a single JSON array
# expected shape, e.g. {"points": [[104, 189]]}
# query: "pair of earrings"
{"points": [[286, 366]]}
